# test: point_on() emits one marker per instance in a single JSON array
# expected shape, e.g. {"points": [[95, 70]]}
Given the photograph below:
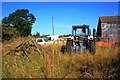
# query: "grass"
{"points": [[51, 63]]}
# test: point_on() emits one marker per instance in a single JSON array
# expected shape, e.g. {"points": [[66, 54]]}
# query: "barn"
{"points": [[109, 26]]}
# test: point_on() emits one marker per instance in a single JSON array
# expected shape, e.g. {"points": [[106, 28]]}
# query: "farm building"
{"points": [[109, 26]]}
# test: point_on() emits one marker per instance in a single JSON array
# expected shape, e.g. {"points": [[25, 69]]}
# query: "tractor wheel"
{"points": [[92, 48], [69, 45], [63, 49]]}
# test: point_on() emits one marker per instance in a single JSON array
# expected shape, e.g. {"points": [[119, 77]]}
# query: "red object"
{"points": [[104, 41]]}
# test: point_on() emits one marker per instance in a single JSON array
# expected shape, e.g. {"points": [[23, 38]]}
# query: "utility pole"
{"points": [[52, 25]]}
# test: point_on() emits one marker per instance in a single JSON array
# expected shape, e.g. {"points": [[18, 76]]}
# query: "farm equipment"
{"points": [[77, 42], [104, 41]]}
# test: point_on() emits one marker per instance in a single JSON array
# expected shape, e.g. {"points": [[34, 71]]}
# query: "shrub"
{"points": [[9, 32]]}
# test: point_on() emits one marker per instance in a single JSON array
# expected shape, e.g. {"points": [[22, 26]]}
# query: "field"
{"points": [[30, 60]]}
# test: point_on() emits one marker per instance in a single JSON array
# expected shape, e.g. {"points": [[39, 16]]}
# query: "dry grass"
{"points": [[51, 63]]}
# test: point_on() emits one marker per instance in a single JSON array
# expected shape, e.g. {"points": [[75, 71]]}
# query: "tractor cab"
{"points": [[81, 37], [81, 41], [83, 29]]}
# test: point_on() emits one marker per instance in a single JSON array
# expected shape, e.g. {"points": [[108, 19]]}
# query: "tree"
{"points": [[9, 32], [22, 20], [0, 33], [94, 32], [37, 34]]}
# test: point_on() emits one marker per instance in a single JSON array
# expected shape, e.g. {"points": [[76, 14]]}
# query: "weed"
{"points": [[51, 63]]}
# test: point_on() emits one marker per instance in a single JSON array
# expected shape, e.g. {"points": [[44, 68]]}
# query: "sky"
{"points": [[60, 0], [65, 14]]}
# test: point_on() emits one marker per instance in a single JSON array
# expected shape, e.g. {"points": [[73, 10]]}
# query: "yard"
{"points": [[34, 61]]}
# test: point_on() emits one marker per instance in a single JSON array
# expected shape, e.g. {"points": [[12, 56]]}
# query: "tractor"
{"points": [[79, 42]]}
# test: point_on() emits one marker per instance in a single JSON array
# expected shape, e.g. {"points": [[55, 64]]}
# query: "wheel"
{"points": [[69, 45], [92, 48], [63, 49]]}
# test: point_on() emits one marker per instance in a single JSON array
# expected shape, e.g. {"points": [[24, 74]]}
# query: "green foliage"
{"points": [[37, 34], [0, 33], [22, 20], [9, 32]]}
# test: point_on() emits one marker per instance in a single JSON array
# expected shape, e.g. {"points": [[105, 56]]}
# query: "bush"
{"points": [[9, 32]]}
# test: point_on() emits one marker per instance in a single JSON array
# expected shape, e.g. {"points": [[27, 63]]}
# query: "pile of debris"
{"points": [[23, 49]]}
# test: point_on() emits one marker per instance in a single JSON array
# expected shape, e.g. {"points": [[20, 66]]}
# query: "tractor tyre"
{"points": [[63, 49], [92, 48], [69, 45]]}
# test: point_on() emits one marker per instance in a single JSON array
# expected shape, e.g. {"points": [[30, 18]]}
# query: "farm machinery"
{"points": [[79, 42], [105, 41]]}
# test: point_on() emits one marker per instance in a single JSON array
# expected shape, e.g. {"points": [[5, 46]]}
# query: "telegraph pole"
{"points": [[52, 25]]}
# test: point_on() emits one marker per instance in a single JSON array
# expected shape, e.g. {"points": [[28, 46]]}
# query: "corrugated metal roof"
{"points": [[109, 19]]}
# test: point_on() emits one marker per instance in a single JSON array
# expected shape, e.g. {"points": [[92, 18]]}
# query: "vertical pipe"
{"points": [[75, 32], [52, 25], [88, 30], [72, 32]]}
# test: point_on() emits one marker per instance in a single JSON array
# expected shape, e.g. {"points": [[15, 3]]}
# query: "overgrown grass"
{"points": [[51, 63]]}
